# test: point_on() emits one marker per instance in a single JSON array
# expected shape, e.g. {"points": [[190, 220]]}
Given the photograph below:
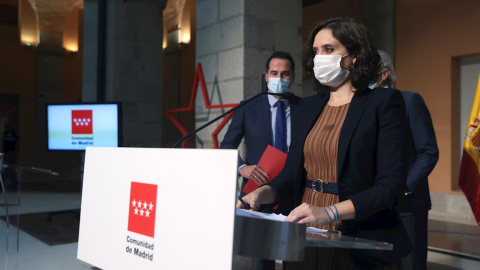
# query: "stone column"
{"points": [[90, 47], [379, 17], [133, 65], [234, 40]]}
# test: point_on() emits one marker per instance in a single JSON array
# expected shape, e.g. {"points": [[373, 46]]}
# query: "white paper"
{"points": [[280, 217], [260, 215], [315, 230]]}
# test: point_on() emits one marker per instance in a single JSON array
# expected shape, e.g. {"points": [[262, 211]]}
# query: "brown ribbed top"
{"points": [[320, 151]]}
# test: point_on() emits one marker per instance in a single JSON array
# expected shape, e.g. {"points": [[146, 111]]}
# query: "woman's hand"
{"points": [[262, 195], [307, 213]]}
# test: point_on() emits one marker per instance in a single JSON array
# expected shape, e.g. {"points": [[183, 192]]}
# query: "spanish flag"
{"points": [[469, 180]]}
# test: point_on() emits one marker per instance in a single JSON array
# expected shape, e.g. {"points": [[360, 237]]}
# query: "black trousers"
{"points": [[417, 230]]}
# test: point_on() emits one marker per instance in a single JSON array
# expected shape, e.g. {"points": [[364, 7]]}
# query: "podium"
{"points": [[9, 249], [175, 209], [286, 241], [186, 214], [19, 170]]}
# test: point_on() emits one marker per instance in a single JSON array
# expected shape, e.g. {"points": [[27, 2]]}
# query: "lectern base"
{"points": [[268, 239]]}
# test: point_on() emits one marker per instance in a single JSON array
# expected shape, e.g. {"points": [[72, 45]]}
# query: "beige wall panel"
{"points": [[429, 35]]}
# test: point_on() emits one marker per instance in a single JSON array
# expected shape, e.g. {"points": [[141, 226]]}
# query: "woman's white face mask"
{"points": [[328, 71]]}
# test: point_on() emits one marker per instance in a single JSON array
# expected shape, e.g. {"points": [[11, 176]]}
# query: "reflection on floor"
{"points": [[451, 245], [52, 228], [460, 238], [20, 250]]}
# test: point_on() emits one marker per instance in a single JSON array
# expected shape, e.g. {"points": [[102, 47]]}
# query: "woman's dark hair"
{"points": [[359, 42]]}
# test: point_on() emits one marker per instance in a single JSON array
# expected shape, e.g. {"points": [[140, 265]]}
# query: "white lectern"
{"points": [[175, 209], [158, 208]]}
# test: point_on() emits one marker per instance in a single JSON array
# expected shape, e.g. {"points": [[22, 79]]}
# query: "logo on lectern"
{"points": [[82, 122], [141, 216]]}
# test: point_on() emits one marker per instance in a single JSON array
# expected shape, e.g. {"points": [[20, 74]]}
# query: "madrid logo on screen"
{"points": [[141, 214], [82, 122]]}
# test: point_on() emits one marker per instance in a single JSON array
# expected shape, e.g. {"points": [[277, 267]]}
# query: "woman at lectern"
{"points": [[347, 161]]}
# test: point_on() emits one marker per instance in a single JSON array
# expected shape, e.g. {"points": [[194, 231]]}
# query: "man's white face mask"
{"points": [[374, 85], [278, 85]]}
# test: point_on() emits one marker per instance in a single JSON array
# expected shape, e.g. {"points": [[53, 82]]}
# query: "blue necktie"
{"points": [[280, 128]]}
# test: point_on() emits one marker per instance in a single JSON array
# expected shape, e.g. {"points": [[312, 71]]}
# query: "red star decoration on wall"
{"points": [[199, 77]]}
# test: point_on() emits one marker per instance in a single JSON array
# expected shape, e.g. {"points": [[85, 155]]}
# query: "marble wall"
{"points": [[234, 40], [452, 208]]}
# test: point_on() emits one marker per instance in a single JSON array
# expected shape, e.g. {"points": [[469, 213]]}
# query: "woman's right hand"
{"points": [[307, 213], [262, 195]]}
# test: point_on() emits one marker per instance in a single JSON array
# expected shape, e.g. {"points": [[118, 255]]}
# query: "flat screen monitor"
{"points": [[81, 125]]}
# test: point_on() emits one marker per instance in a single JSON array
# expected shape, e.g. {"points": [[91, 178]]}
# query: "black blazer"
{"points": [[372, 164], [253, 121], [424, 159]]}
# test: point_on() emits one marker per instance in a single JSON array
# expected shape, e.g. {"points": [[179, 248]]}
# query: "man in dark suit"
{"points": [[415, 204], [256, 121]]}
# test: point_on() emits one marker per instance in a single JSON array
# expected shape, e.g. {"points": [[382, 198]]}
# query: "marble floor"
{"points": [[21, 251], [451, 245]]}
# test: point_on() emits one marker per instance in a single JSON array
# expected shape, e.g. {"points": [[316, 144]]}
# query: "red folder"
{"points": [[272, 162]]}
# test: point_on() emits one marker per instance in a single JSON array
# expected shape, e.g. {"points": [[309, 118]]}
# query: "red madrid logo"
{"points": [[82, 122], [141, 215]]}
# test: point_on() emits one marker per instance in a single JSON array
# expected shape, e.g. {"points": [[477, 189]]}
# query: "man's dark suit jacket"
{"points": [[372, 166], [424, 159], [253, 121]]}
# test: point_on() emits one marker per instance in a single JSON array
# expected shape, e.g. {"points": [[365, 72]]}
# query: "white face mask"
{"points": [[278, 85], [377, 85], [328, 71], [373, 85]]}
